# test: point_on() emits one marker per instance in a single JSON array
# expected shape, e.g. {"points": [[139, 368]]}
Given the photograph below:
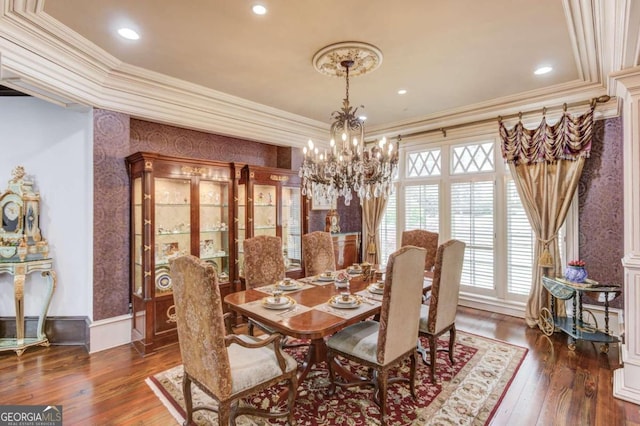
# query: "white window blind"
{"points": [[422, 207], [387, 230], [472, 221], [520, 244]]}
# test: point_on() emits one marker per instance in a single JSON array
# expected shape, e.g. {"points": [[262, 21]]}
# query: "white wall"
{"points": [[55, 146]]}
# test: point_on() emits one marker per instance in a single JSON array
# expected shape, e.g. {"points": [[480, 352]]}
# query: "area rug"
{"points": [[466, 393]]}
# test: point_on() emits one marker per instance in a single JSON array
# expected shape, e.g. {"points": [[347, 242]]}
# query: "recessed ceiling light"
{"points": [[128, 33], [402, 91], [259, 9], [543, 70]]}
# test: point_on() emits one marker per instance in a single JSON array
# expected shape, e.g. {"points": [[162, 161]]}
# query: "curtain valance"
{"points": [[568, 139]]}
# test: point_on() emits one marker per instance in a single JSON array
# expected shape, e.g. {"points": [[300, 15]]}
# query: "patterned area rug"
{"points": [[467, 393]]}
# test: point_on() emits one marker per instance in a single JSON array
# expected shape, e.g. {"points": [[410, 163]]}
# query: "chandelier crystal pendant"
{"points": [[349, 166]]}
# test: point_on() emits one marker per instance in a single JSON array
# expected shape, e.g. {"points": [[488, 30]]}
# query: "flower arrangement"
{"points": [[342, 276], [579, 263]]}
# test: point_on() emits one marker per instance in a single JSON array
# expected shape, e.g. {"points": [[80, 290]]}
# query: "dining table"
{"points": [[311, 313]]}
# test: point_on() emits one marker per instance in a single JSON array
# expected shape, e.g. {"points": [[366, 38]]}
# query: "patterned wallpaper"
{"points": [[601, 208], [116, 136], [110, 214]]}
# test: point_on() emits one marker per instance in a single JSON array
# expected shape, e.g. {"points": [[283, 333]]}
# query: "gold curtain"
{"points": [[372, 211], [546, 164]]}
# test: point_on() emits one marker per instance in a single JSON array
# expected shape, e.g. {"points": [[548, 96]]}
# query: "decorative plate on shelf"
{"points": [[163, 279]]}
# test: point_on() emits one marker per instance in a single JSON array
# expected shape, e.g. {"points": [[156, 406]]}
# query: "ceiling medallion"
{"points": [[366, 58]]}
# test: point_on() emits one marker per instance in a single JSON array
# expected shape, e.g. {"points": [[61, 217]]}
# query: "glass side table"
{"points": [[577, 327]]}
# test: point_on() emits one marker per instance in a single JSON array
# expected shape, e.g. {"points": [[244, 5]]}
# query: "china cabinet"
{"points": [[346, 248], [270, 203], [178, 206]]}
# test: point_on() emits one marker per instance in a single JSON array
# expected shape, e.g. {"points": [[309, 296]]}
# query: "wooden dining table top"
{"points": [[313, 323]]}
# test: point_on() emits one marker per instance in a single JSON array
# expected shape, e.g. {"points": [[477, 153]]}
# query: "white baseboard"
{"points": [[514, 309], [109, 333]]}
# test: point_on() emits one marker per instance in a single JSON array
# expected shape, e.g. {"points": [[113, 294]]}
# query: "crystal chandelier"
{"points": [[349, 166]]}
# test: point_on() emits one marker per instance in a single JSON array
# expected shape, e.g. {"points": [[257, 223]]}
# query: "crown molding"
{"points": [[42, 57], [50, 61]]}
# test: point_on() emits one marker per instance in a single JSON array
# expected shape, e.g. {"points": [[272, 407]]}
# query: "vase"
{"points": [[576, 274]]}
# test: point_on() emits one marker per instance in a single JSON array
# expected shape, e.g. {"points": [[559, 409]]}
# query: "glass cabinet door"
{"points": [[292, 228], [241, 232], [138, 275], [172, 227], [264, 209], [214, 226]]}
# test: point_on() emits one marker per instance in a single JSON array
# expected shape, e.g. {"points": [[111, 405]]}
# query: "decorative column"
{"points": [[626, 380]]}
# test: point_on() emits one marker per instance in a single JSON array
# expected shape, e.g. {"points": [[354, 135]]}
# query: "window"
{"points": [[472, 221], [472, 158], [422, 207], [520, 244], [387, 230]]}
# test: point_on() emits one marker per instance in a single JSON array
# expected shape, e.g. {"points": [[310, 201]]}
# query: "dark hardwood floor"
{"points": [[554, 386]]}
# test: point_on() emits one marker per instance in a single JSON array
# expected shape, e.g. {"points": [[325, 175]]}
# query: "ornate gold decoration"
{"points": [[279, 178], [18, 174], [147, 196], [147, 273], [193, 170], [148, 165], [171, 314]]}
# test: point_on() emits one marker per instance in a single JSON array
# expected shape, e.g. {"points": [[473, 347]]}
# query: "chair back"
{"points": [[317, 252], [445, 289], [200, 323], [400, 310], [263, 260], [425, 239]]}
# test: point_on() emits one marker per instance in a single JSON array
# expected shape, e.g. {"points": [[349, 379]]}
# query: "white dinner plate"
{"points": [[288, 286], [354, 271], [325, 278], [336, 302], [286, 302], [375, 289]]}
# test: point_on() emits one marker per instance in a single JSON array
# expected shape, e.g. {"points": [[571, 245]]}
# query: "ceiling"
{"points": [[455, 58]]}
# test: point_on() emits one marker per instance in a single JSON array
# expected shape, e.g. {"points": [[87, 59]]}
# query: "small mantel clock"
{"points": [[20, 236]]}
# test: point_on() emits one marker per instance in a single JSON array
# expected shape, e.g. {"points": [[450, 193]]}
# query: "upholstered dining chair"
{"points": [[317, 252], [263, 265], [439, 315], [425, 239], [383, 345], [226, 367]]}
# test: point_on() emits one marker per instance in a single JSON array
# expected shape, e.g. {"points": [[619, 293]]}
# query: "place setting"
{"points": [[324, 278], [286, 285], [345, 304], [278, 305]]}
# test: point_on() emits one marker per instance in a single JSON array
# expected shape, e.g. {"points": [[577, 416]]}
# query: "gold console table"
{"points": [[20, 270]]}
